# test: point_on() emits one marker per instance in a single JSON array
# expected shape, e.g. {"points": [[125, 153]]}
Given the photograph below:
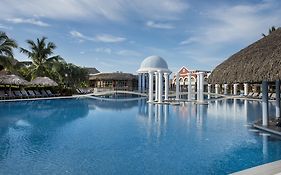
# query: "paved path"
{"points": [[272, 168]]}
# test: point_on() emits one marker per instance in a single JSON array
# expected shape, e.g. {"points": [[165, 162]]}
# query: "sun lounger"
{"points": [[31, 93], [2, 95], [18, 94], [37, 93], [82, 91], [10, 94], [44, 93], [78, 91], [24, 93], [255, 95], [273, 96], [260, 96], [250, 94], [50, 94]]}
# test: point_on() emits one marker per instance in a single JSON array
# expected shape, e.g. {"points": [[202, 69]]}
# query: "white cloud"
{"points": [[28, 21], [153, 24], [5, 27], [106, 38], [114, 10], [236, 24], [130, 53], [103, 50], [80, 36], [189, 40]]}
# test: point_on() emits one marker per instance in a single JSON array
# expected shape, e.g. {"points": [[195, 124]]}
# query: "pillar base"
{"points": [[201, 103]]}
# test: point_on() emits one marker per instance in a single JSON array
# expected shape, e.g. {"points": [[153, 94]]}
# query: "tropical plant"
{"points": [[270, 30], [41, 55], [70, 74], [6, 51]]}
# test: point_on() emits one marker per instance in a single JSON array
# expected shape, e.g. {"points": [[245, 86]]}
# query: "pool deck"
{"points": [[273, 168], [271, 128], [41, 98]]}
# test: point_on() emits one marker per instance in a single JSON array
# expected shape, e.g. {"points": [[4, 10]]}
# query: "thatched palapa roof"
{"points": [[12, 80], [43, 81], [253, 64], [113, 76], [92, 70]]}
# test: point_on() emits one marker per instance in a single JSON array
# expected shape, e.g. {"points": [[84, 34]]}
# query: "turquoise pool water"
{"points": [[88, 136]]}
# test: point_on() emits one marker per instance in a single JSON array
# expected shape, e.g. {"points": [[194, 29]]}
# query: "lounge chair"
{"points": [[273, 96], [260, 96], [44, 93], [250, 94], [18, 94], [50, 94], [24, 93], [255, 95], [78, 91], [31, 93], [37, 93], [10, 94], [82, 91], [2, 95]]}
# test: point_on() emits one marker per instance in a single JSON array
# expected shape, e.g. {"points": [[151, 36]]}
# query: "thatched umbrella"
{"points": [[43, 81], [255, 63], [12, 80]]}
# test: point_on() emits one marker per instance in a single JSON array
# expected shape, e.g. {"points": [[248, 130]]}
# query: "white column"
{"points": [[246, 88], [235, 89], [150, 96], [166, 77], [177, 86], [146, 82], [217, 88], [209, 90], [156, 86], [277, 91], [201, 86], [264, 103], [143, 83], [198, 87], [225, 86], [189, 86], [139, 82], [160, 96]]}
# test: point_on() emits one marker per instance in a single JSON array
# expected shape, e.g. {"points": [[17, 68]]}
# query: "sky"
{"points": [[116, 35]]}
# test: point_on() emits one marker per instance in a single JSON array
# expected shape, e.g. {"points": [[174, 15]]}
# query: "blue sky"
{"points": [[116, 35]]}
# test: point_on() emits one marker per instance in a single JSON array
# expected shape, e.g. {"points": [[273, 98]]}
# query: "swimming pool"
{"points": [[88, 136]]}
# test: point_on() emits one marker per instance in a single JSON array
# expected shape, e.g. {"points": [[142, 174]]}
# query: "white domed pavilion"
{"points": [[154, 66]]}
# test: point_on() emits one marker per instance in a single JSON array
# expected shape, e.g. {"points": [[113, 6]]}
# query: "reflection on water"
{"points": [[132, 137]]}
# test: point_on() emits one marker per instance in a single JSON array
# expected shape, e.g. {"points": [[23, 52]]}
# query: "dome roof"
{"points": [[153, 63]]}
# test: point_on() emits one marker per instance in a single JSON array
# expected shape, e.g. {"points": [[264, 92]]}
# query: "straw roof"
{"points": [[113, 76], [253, 64], [12, 80], [43, 81], [92, 70]]}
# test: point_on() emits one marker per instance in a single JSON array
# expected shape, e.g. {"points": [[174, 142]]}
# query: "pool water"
{"points": [[89, 136]]}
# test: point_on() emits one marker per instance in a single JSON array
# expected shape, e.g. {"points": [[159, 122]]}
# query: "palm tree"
{"points": [[270, 30], [70, 74], [6, 50], [41, 55]]}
